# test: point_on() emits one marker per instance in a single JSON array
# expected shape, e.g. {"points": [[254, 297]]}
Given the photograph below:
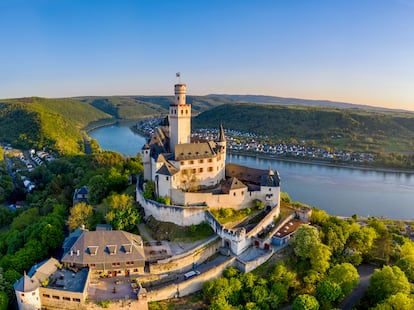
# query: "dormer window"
{"points": [[93, 250], [127, 248], [111, 249]]}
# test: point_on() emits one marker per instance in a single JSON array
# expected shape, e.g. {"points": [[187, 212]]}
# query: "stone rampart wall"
{"points": [[183, 216], [184, 262], [266, 221], [251, 265], [190, 286]]}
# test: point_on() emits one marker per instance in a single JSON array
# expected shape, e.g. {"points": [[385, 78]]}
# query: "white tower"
{"points": [[180, 118], [146, 161]]}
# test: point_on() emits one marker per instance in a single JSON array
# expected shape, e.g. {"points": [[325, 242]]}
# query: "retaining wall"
{"points": [[190, 286], [183, 216], [184, 262]]}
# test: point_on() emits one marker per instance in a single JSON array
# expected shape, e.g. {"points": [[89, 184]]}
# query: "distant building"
{"points": [[81, 195]]}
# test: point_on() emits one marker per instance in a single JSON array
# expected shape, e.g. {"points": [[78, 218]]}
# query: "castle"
{"points": [[195, 177]]}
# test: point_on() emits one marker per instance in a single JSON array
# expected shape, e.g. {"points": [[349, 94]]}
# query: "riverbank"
{"points": [[320, 163]]}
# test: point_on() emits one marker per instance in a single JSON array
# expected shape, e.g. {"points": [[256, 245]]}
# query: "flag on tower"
{"points": [[177, 74]]}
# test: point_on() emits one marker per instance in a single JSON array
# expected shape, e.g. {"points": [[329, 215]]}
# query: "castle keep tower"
{"points": [[180, 118]]}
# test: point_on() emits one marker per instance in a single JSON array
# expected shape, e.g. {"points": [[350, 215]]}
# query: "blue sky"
{"points": [[359, 51]]}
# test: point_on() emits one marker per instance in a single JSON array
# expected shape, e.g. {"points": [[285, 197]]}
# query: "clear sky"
{"points": [[358, 51]]}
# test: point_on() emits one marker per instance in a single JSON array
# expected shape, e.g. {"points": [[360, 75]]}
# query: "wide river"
{"points": [[337, 190]]}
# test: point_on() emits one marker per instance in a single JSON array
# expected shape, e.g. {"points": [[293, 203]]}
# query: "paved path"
{"points": [[365, 272]]}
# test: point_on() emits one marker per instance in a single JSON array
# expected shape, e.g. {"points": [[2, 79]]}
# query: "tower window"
{"points": [[186, 111], [182, 112]]}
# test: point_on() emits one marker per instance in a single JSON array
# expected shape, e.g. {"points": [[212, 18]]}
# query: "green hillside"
{"points": [[53, 123], [133, 107], [348, 129]]}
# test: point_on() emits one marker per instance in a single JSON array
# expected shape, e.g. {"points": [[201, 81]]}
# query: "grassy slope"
{"points": [[391, 131]]}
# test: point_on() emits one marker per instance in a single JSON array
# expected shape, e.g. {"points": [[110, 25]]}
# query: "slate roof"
{"points": [[271, 179], [245, 174], [26, 284], [167, 168], [194, 150], [221, 137], [105, 246], [231, 184], [43, 270]]}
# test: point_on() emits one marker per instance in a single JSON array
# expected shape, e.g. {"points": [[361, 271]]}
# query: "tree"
{"points": [[80, 214], [98, 189], [305, 239], [406, 261], [305, 302], [122, 213], [346, 276], [328, 292], [307, 246], [398, 301], [386, 282]]}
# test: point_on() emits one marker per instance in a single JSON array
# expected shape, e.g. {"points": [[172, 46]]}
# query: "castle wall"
{"points": [[183, 216], [265, 222], [251, 265], [237, 199], [234, 239], [185, 261], [190, 286]]}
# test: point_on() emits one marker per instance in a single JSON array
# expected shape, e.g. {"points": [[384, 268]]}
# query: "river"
{"points": [[337, 190]]}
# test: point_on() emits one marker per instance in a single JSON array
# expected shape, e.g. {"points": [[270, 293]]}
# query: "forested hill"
{"points": [[52, 123], [133, 107], [348, 129], [57, 123], [259, 99]]}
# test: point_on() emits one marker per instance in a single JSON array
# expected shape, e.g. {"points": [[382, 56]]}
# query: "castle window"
{"points": [[178, 97], [182, 162], [55, 297], [210, 169], [210, 160], [182, 112], [76, 299], [166, 178], [242, 193], [22, 294], [234, 194], [201, 161], [186, 111], [191, 162], [66, 298], [194, 170], [270, 189], [92, 265], [200, 170], [33, 293], [46, 295]]}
